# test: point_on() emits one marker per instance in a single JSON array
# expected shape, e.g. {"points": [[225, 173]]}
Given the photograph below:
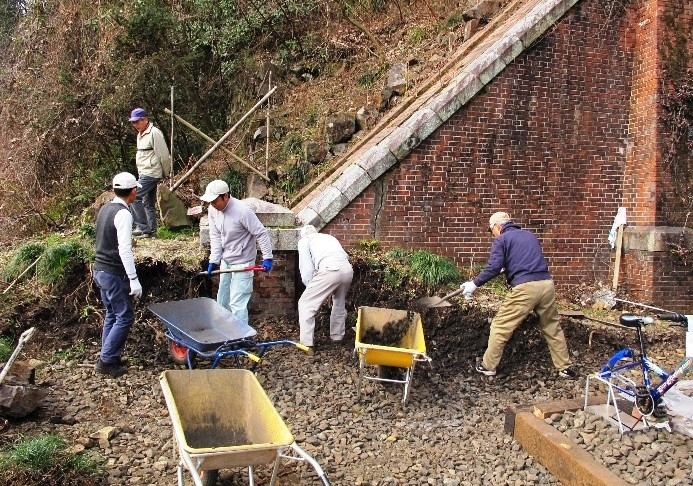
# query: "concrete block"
{"points": [[284, 239], [270, 214], [541, 18], [401, 141], [204, 231], [563, 458], [423, 122], [654, 238], [328, 203], [376, 161], [459, 91], [352, 182], [309, 215]]}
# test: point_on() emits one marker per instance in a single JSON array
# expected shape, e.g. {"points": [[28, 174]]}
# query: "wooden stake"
{"points": [[617, 262]]}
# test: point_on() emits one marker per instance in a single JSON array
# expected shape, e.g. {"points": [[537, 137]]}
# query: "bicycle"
{"points": [[646, 396]]}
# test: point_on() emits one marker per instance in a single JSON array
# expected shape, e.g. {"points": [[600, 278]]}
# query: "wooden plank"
{"points": [[567, 461]]}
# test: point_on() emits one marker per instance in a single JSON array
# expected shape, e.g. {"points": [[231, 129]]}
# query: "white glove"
{"points": [[468, 289], [135, 288]]}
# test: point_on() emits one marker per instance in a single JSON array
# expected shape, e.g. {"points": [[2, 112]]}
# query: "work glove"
{"points": [[468, 289], [267, 264], [135, 288], [211, 267]]}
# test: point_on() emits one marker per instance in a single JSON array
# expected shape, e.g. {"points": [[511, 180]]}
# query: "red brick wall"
{"points": [[545, 141], [560, 139], [276, 293]]}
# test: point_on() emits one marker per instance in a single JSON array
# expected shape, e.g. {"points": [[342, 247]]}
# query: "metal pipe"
{"points": [[642, 305]]}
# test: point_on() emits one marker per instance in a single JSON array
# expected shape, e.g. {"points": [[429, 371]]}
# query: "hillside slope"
{"points": [[74, 71]]}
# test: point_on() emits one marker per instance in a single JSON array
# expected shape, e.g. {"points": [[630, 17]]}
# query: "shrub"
{"points": [[432, 270]]}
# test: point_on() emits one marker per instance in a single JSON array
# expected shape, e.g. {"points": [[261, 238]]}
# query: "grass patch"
{"points": [[6, 349], [57, 258], [164, 233], [76, 352], [47, 456]]}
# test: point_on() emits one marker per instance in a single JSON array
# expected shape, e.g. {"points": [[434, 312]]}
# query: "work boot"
{"points": [[113, 369]]}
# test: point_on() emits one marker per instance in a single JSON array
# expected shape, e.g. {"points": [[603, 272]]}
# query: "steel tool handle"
{"points": [[254, 268]]}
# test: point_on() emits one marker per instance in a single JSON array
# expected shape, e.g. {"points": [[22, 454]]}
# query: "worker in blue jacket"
{"points": [[518, 253]]}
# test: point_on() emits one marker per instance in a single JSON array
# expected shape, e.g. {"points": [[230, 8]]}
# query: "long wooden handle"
{"points": [[452, 294]]}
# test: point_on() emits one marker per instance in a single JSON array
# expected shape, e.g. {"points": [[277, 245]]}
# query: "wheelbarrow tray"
{"points": [[201, 324], [223, 418], [401, 355]]}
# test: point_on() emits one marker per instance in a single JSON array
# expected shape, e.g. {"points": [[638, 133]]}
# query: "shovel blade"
{"points": [[432, 302]]}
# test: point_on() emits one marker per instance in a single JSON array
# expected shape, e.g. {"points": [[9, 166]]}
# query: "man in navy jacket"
{"points": [[518, 252]]}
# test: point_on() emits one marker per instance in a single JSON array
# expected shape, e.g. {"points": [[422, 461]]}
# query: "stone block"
{"points": [[654, 238], [376, 161], [352, 182]]}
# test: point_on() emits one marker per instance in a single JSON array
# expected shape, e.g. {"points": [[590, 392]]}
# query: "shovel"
{"points": [[254, 268], [437, 301]]}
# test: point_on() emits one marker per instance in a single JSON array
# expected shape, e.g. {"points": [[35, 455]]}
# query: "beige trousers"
{"points": [[325, 283], [537, 296]]}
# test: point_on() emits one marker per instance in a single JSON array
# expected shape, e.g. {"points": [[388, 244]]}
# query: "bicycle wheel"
{"points": [[644, 401]]}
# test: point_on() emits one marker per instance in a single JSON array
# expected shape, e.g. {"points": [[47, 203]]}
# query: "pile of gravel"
{"points": [[449, 433]]}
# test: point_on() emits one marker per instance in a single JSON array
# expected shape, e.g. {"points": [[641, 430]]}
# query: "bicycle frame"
{"points": [[613, 371]]}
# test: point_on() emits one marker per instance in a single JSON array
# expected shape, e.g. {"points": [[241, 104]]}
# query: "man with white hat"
{"points": [[325, 271], [115, 274], [234, 234], [153, 164], [519, 254]]}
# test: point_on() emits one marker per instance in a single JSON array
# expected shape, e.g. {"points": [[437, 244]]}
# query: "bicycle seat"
{"points": [[631, 320]]}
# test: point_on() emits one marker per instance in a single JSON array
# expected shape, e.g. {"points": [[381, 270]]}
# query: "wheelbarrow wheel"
{"points": [[178, 352], [209, 477]]}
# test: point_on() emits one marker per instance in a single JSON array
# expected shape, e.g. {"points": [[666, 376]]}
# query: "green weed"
{"points": [[369, 245], [6, 349], [416, 36], [432, 270], [44, 454], [164, 233], [21, 259], [60, 259], [76, 352]]}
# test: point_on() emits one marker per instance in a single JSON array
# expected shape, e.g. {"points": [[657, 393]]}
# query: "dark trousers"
{"points": [[143, 208], [120, 314]]}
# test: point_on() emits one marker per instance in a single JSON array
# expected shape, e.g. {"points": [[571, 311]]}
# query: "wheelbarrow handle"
{"points": [[254, 268]]}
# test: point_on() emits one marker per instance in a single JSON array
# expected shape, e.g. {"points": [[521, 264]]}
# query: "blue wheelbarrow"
{"points": [[201, 328]]}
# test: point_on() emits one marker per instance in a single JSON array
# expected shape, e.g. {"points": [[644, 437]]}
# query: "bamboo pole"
{"points": [[204, 136], [22, 274], [221, 140]]}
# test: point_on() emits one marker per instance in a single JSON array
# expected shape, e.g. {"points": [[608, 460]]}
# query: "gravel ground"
{"points": [[449, 433]]}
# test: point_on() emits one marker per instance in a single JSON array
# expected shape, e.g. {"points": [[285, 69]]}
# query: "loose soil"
{"points": [[454, 335]]}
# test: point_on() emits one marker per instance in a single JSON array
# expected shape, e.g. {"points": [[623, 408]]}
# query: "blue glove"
{"points": [[211, 267], [267, 264]]}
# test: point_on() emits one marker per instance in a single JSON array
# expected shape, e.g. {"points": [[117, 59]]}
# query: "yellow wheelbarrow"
{"points": [[223, 419], [410, 348]]}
